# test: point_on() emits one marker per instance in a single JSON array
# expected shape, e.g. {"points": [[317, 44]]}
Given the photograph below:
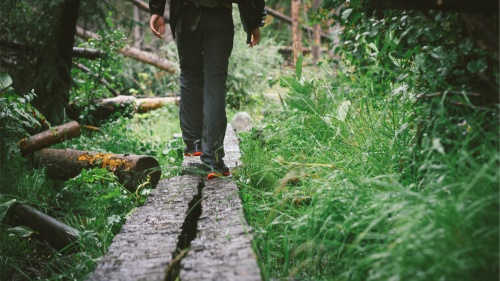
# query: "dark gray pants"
{"points": [[204, 51]]}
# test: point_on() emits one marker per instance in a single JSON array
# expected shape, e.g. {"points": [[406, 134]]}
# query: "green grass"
{"points": [[395, 191]]}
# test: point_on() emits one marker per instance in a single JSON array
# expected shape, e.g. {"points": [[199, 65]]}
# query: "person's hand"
{"points": [[255, 37], [157, 25]]}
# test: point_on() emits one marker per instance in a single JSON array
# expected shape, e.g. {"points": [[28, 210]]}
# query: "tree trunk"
{"points": [[316, 46], [135, 53], [296, 35], [56, 233], [130, 169], [52, 136], [53, 95], [137, 28]]}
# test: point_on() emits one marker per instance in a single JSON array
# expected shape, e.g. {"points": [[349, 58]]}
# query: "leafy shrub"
{"points": [[431, 51], [16, 117]]}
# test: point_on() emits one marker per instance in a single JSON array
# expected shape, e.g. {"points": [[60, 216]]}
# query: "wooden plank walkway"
{"points": [[189, 228]]}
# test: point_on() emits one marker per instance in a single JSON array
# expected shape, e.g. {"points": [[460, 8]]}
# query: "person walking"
{"points": [[204, 33]]}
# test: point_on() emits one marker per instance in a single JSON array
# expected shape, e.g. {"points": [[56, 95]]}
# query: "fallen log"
{"points": [[124, 104], [59, 235], [116, 100], [134, 53], [91, 128], [99, 111], [130, 169], [138, 101], [87, 53], [148, 104], [49, 137], [141, 105]]}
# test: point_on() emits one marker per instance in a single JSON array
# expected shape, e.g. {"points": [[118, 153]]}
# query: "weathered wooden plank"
{"points": [[186, 214], [222, 249], [144, 247]]}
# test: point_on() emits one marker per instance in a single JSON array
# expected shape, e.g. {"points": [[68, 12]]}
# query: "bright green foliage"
{"points": [[340, 184]]}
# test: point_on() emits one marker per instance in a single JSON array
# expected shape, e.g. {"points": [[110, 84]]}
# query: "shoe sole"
{"points": [[198, 153], [212, 175]]}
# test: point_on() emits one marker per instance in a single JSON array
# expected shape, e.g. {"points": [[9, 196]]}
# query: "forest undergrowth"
{"points": [[95, 202], [378, 164], [384, 167]]}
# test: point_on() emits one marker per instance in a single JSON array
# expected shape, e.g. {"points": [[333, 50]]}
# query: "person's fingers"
{"points": [[156, 26], [255, 37], [161, 30]]}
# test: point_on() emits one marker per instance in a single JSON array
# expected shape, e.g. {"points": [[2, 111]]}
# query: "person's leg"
{"points": [[189, 46], [218, 33]]}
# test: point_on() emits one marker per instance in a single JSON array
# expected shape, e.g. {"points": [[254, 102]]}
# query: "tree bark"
{"points": [[130, 169], [59, 235], [137, 28], [47, 138], [316, 46], [296, 35], [135, 53]]}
